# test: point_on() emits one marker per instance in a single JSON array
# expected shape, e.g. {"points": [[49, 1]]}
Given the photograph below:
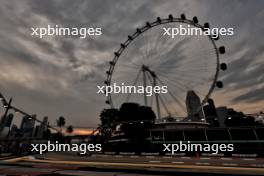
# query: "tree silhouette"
{"points": [[146, 113], [135, 112], [107, 117], [61, 122], [69, 129], [128, 112], [235, 118]]}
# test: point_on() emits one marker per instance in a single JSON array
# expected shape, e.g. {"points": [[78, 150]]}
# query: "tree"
{"points": [[107, 117], [69, 129], [61, 122], [146, 113], [128, 112], [135, 112]]}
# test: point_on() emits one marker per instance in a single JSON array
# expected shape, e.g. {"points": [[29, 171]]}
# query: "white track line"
{"points": [[229, 164], [185, 157], [119, 156], [134, 156], [202, 163], [167, 157], [249, 159], [154, 161], [150, 157], [204, 158], [226, 158], [177, 162]]}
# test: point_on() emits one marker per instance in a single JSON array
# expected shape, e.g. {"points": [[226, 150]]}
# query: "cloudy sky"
{"points": [[57, 76]]}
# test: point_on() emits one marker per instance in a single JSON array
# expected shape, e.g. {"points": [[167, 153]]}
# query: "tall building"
{"points": [[6, 120], [193, 106], [14, 131], [210, 113], [43, 127], [5, 124], [27, 126], [36, 131]]}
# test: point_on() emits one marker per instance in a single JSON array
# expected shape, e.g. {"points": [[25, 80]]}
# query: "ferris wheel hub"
{"points": [[146, 68]]}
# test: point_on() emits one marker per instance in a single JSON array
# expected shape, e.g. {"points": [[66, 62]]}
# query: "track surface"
{"points": [[71, 164]]}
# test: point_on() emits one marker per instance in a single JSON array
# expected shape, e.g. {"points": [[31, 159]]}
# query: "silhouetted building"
{"points": [[5, 124], [14, 131], [193, 105], [6, 120], [27, 126], [210, 114], [43, 127], [36, 131]]}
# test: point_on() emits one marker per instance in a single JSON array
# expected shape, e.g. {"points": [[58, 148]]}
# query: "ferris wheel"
{"points": [[183, 63]]}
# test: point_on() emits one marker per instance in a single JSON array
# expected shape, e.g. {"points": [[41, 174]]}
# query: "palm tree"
{"points": [[61, 122]]}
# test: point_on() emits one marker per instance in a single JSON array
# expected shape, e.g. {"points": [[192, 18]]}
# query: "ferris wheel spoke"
{"points": [[130, 65], [197, 59], [165, 50], [182, 73], [163, 104], [172, 95], [159, 42], [191, 74], [189, 78], [161, 46], [183, 78], [196, 54], [187, 87], [152, 84], [146, 48], [134, 60], [135, 64], [196, 69], [160, 98], [173, 84], [151, 100], [149, 52], [134, 83], [184, 86], [169, 103], [177, 87], [186, 68]]}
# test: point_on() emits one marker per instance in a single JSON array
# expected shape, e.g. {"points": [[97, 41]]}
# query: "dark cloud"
{"points": [[245, 71], [251, 96]]}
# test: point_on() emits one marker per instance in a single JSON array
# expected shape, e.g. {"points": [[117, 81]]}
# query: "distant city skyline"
{"points": [[58, 76]]}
